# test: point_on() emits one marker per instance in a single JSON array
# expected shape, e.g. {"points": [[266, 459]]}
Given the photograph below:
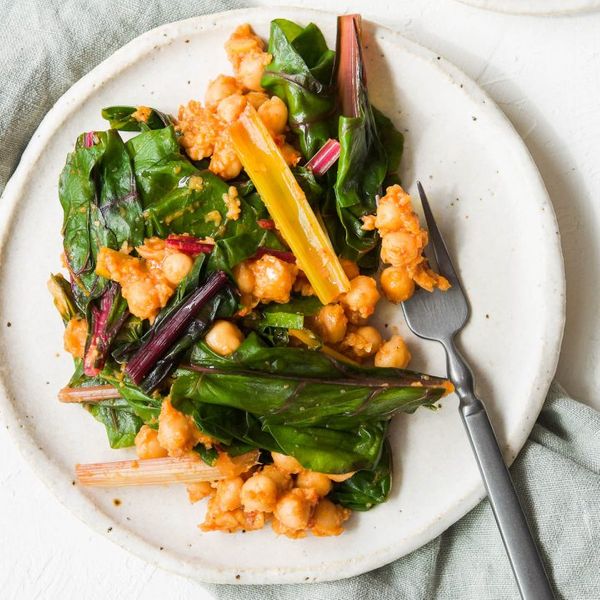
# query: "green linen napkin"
{"points": [[47, 45]]}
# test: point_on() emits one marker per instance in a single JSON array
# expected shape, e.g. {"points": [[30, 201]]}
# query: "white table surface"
{"points": [[544, 72]]}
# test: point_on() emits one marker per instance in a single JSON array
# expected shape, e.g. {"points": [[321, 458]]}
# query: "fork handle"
{"points": [[523, 554], [524, 558]]}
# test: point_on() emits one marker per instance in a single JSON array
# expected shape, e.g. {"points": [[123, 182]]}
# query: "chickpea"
{"points": [[294, 508], [221, 87], [400, 248], [251, 70], [75, 337], [330, 323], [328, 518], [359, 303], [198, 490], [363, 341], [273, 278], [319, 482], [176, 266], [394, 353], [224, 337], [228, 496], [282, 480], [274, 114], [177, 433], [259, 493], [389, 214], [229, 109], [397, 284], [224, 161], [350, 268], [146, 443], [256, 99], [244, 277], [287, 464]]}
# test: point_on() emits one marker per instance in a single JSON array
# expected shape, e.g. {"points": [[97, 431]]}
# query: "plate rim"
{"points": [[84, 508], [554, 8]]}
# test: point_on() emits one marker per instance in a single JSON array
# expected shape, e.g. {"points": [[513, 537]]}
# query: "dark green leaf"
{"points": [[329, 450], [120, 117], [300, 74], [120, 421], [179, 198], [366, 488], [301, 387]]}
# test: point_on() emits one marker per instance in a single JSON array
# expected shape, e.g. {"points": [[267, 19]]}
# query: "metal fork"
{"points": [[439, 316]]}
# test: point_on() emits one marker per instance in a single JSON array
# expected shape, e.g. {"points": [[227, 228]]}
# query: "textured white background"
{"points": [[544, 72]]}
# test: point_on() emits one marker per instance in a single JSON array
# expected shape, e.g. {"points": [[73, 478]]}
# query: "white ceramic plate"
{"points": [[493, 208], [536, 7]]}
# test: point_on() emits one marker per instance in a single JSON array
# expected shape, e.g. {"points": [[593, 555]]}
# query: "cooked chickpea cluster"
{"points": [[204, 129], [285, 494], [402, 244], [267, 279], [147, 282]]}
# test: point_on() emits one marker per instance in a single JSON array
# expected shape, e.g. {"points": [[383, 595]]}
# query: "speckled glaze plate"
{"points": [[500, 226], [536, 7]]}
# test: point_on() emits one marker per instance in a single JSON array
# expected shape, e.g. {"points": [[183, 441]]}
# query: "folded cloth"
{"points": [[47, 45], [557, 475]]}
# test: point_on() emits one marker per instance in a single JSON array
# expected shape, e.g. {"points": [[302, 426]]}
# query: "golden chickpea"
{"points": [[350, 268], [274, 114], [400, 248], [319, 482], [389, 214], [362, 342], [198, 490], [328, 518], [256, 99], [273, 279], [228, 496], [176, 266], [294, 508], [287, 464], [244, 277], [75, 337], [394, 353], [251, 69], [224, 337], [282, 479], [330, 323], [229, 109], [224, 161], [259, 493], [360, 301], [221, 87], [177, 433], [397, 284], [146, 443]]}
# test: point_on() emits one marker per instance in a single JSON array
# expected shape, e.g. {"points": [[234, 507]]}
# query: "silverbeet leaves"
{"points": [[331, 416], [301, 75], [98, 193]]}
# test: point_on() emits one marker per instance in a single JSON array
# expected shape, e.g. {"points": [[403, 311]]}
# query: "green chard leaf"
{"points": [[300, 74], [370, 149], [179, 198], [120, 421], [101, 208], [301, 387], [123, 119], [366, 488]]}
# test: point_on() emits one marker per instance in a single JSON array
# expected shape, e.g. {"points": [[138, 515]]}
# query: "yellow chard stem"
{"points": [[288, 206]]}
